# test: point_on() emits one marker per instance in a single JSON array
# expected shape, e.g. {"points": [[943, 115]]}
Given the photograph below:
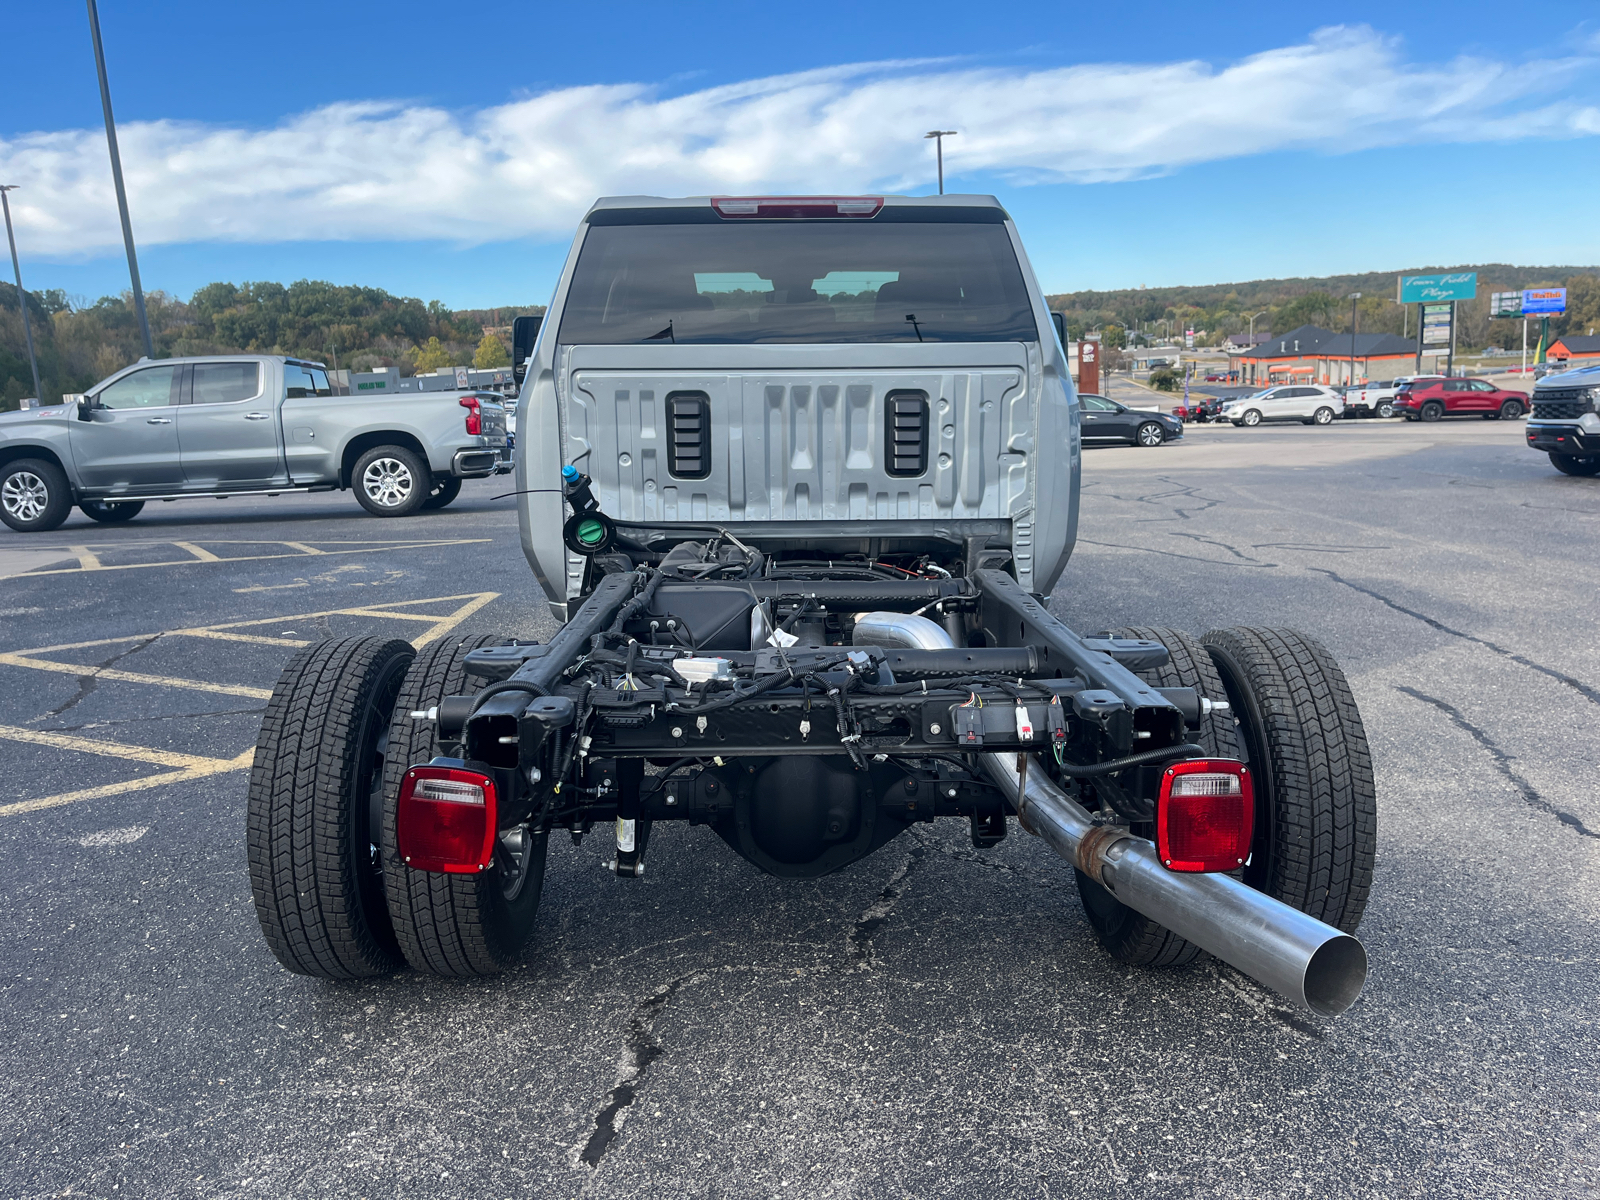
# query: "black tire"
{"points": [[317, 778], [1316, 806], [1510, 410], [1149, 434], [444, 491], [111, 512], [1431, 411], [453, 925], [1385, 409], [1252, 417], [34, 495], [1127, 934], [1323, 416], [1576, 464], [391, 481]]}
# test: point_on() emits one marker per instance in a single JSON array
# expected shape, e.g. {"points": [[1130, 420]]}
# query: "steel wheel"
{"points": [[1252, 418], [1151, 434], [25, 496], [388, 482]]}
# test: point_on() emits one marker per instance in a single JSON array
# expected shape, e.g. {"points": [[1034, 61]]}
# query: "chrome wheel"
{"points": [[25, 496], [388, 482]]}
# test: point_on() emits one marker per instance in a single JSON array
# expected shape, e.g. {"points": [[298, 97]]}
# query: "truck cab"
{"points": [[852, 376]]}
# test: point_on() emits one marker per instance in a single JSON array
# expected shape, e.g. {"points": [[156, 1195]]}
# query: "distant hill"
{"points": [[1218, 309]]}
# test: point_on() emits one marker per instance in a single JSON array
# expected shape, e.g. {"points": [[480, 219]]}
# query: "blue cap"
{"points": [[569, 473]]}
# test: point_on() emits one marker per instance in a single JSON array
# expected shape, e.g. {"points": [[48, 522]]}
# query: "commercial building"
{"points": [[1575, 347], [1314, 355]]}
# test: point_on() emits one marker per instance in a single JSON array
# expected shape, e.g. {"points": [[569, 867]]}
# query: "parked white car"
{"points": [[1309, 404]]}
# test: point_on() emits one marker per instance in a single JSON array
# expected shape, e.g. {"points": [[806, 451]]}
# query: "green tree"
{"points": [[491, 353], [1164, 379], [433, 355]]}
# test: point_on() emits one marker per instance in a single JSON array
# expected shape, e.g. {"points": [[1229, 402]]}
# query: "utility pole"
{"points": [[938, 136], [1354, 296], [116, 177], [22, 296]]}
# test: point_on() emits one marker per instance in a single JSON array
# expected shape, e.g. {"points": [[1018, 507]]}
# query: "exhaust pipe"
{"points": [[1312, 964]]}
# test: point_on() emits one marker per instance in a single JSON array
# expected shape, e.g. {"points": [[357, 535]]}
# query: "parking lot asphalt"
{"points": [[933, 1021]]}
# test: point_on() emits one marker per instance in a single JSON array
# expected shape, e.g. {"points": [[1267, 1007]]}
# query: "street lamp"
{"points": [[1354, 296], [22, 296], [116, 177], [1262, 313], [938, 136]]}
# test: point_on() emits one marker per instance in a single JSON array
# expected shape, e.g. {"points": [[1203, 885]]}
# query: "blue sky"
{"points": [[449, 159]]}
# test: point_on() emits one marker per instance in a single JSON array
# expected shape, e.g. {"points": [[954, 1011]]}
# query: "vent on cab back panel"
{"points": [[906, 436], [689, 435]]}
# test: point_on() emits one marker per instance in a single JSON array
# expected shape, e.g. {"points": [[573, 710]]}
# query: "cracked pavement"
{"points": [[934, 1021]]}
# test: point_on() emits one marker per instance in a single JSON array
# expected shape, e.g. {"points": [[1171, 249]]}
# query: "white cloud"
{"points": [[530, 167]]}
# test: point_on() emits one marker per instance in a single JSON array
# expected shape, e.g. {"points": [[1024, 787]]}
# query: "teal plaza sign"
{"points": [[1435, 289]]}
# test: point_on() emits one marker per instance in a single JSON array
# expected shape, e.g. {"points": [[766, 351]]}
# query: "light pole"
{"points": [[1252, 335], [116, 177], [22, 296], [938, 136], [1354, 296]]}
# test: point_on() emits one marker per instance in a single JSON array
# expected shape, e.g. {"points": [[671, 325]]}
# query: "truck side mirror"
{"points": [[1060, 323], [524, 333], [86, 405]]}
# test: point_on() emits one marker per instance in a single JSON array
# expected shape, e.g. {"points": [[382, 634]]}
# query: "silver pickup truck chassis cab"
{"points": [[797, 476], [239, 425]]}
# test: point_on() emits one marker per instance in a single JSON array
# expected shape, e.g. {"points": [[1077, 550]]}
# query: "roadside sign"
{"points": [[1436, 324], [1544, 300], [1430, 289], [1506, 304]]}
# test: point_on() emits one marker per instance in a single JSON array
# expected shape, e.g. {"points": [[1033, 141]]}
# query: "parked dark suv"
{"points": [[1434, 399]]}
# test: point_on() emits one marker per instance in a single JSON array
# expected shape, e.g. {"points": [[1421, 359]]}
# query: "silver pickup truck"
{"points": [[241, 424]]}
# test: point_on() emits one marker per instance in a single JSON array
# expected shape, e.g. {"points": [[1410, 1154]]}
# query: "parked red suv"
{"points": [[1431, 399]]}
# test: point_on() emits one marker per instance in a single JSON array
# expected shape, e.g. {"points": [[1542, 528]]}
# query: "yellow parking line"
{"points": [[455, 618], [144, 754], [254, 639], [441, 624], [200, 553], [216, 766], [88, 562], [195, 685]]}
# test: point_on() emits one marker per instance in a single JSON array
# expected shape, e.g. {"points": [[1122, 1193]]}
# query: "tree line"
{"points": [[1215, 311], [359, 328]]}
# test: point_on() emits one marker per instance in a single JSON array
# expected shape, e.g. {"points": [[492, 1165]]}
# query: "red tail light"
{"points": [[446, 820], [797, 206], [1205, 815], [474, 418]]}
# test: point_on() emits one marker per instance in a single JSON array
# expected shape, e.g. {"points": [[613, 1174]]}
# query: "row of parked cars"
{"points": [[1416, 398]]}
